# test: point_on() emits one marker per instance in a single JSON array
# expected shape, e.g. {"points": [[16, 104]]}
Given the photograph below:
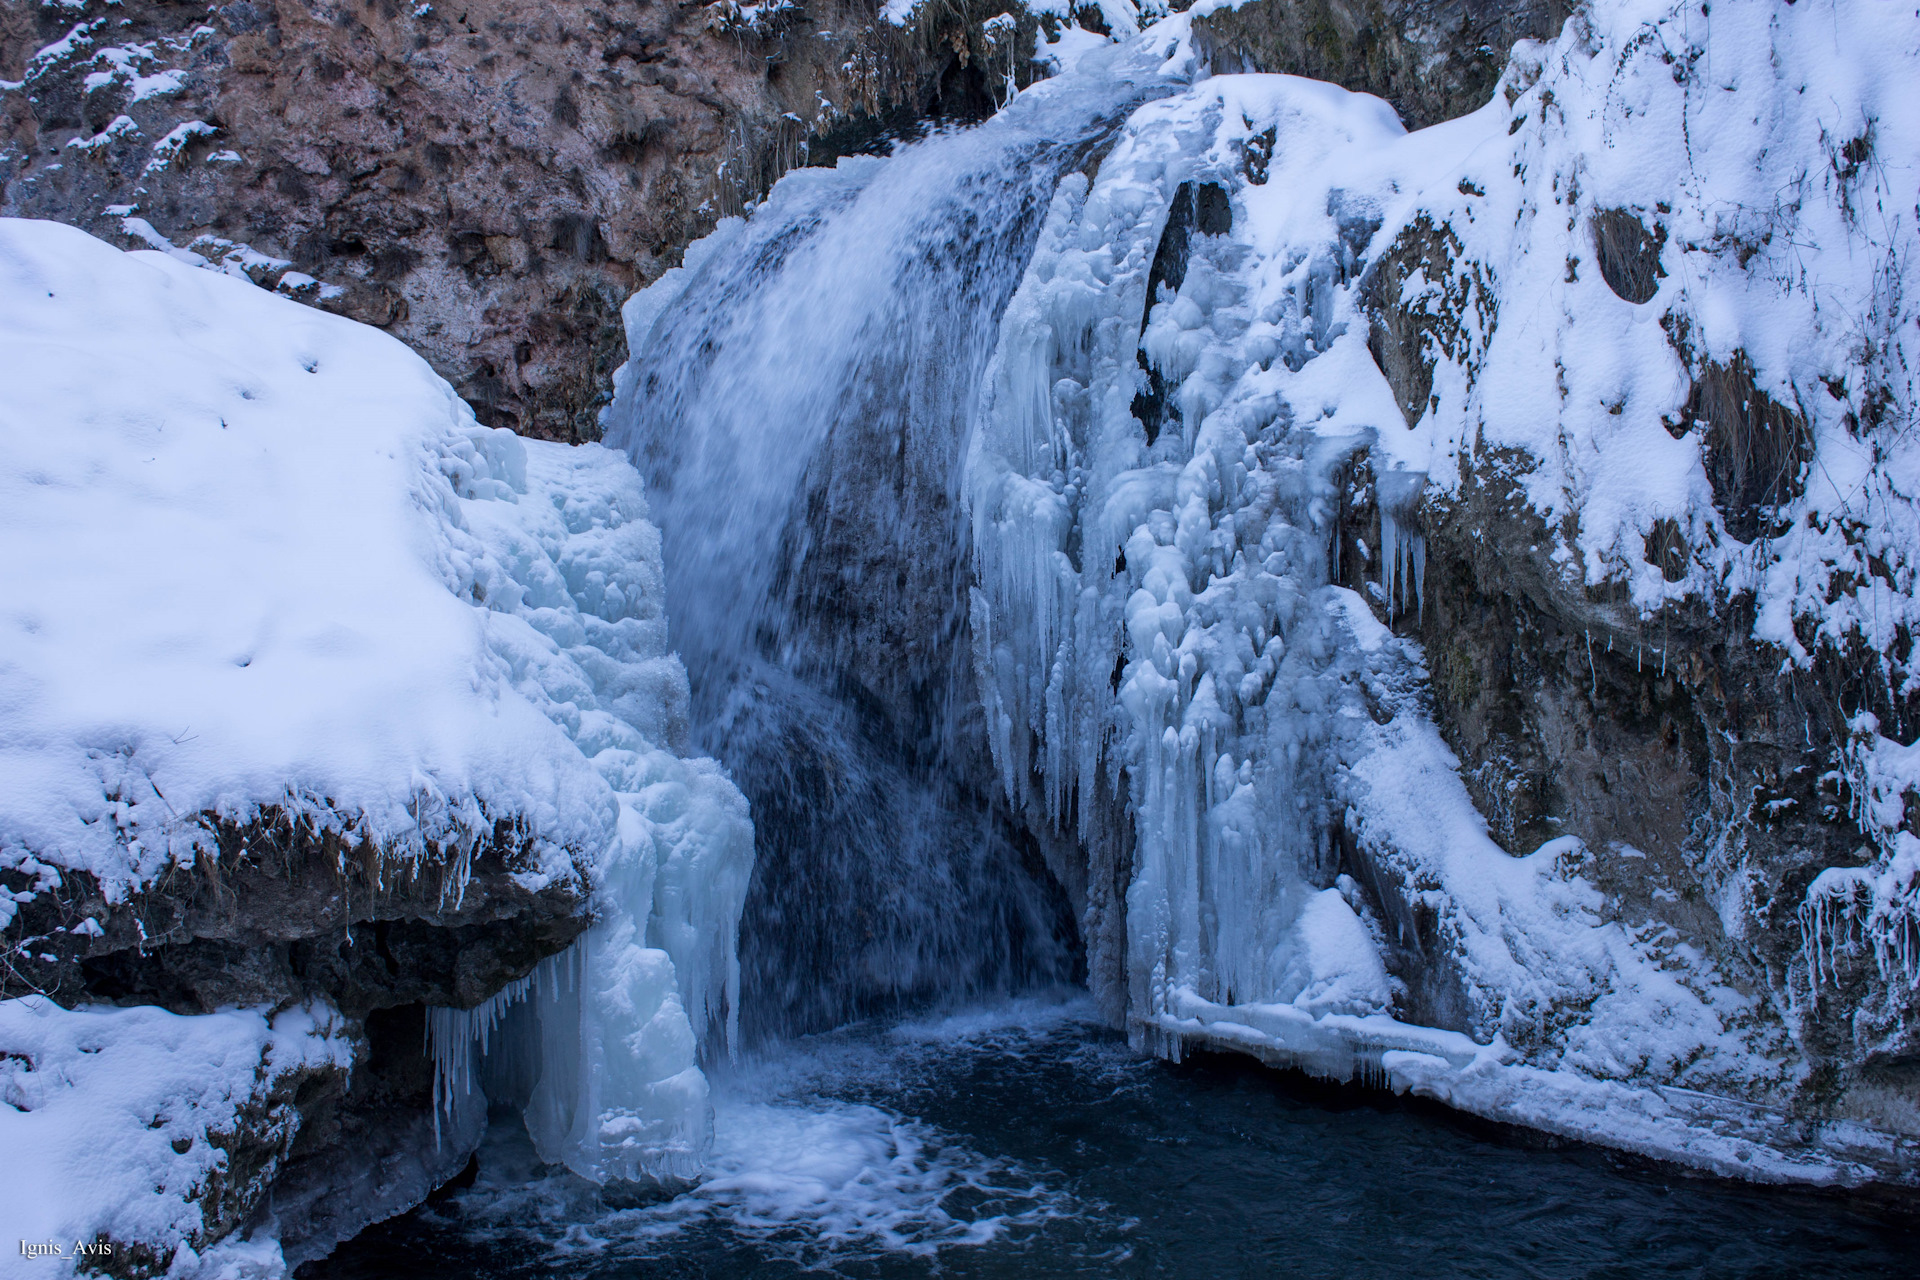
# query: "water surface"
{"points": [[1027, 1140]]}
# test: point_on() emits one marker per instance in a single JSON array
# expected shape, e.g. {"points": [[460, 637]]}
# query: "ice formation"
{"points": [[1178, 398], [263, 556], [1181, 387], [798, 397], [1144, 602]]}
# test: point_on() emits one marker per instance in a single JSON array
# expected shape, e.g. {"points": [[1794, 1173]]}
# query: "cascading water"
{"points": [[1009, 487], [996, 480], [799, 399], [987, 565]]}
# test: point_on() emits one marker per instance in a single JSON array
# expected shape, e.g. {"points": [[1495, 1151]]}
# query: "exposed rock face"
{"points": [[488, 181], [275, 916], [1716, 733], [1706, 770], [1432, 59]]}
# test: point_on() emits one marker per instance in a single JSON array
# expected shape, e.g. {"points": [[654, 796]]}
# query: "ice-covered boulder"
{"points": [[311, 688]]}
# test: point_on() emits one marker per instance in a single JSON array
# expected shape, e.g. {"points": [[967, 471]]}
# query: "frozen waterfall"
{"points": [[1152, 485], [1042, 536]]}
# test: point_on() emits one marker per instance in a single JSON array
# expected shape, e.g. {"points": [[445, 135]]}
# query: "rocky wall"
{"points": [[1432, 59], [487, 180]]}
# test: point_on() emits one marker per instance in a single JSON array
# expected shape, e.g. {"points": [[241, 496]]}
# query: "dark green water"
{"points": [[1029, 1142]]}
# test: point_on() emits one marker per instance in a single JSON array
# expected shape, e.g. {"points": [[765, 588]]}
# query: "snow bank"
{"points": [[264, 556], [243, 574]]}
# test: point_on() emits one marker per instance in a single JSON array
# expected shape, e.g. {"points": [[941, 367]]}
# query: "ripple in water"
{"points": [[1026, 1140]]}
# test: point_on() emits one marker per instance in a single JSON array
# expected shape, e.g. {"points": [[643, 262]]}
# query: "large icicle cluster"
{"points": [[1181, 394], [1156, 607], [620, 1018]]}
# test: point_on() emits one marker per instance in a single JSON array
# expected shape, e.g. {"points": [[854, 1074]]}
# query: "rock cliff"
{"points": [[1432, 59], [487, 181], [1716, 705]]}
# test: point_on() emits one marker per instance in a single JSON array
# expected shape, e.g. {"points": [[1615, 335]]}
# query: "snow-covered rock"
{"points": [[292, 649], [131, 1133], [243, 572], [1600, 397]]}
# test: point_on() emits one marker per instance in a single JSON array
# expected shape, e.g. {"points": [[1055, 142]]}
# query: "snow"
{"points": [[265, 556], [1773, 143], [243, 557], [117, 1119], [268, 557], [763, 16], [119, 127], [124, 64], [80, 34], [173, 146], [1064, 52]]}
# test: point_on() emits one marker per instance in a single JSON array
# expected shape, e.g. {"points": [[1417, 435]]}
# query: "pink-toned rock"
{"points": [[488, 179]]}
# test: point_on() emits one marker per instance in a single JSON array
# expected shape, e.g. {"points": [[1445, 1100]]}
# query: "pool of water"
{"points": [[1026, 1140]]}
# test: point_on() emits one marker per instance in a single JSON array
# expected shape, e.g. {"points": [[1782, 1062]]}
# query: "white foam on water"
{"points": [[801, 1167], [850, 1176]]}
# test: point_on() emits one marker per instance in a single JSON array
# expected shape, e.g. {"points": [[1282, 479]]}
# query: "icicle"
{"points": [[1403, 548], [452, 1036], [1193, 657]]}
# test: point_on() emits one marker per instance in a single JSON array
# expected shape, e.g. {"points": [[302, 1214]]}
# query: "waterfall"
{"points": [[1004, 484], [798, 397], [996, 526]]}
